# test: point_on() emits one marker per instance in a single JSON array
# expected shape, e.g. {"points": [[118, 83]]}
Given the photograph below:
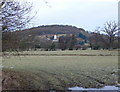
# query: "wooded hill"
{"points": [[53, 29], [41, 37]]}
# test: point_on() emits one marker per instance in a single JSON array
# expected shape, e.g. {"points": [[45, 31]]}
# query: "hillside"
{"points": [[44, 36], [53, 29]]}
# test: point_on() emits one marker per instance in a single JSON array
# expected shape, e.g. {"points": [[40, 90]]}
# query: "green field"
{"points": [[63, 69]]}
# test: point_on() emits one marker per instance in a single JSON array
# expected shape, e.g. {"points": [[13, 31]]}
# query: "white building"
{"points": [[55, 37]]}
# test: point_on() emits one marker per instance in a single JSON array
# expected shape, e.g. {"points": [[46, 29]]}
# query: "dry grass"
{"points": [[60, 72]]}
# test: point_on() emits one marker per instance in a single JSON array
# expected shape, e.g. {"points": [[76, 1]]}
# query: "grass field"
{"points": [[63, 69]]}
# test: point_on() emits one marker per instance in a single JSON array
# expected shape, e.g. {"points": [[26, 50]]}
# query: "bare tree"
{"points": [[15, 15], [2, 3], [111, 30], [67, 42], [96, 35]]}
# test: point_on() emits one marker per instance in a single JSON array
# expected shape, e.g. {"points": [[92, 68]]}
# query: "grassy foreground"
{"points": [[60, 70]]}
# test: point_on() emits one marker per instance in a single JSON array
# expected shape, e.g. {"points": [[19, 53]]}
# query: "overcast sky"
{"points": [[87, 14]]}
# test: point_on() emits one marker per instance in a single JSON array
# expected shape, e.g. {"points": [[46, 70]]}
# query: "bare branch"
{"points": [[15, 16], [111, 29]]}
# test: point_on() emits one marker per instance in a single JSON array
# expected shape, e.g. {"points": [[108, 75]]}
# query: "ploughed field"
{"points": [[59, 70]]}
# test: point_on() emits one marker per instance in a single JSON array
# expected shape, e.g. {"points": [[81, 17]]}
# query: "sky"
{"points": [[86, 14]]}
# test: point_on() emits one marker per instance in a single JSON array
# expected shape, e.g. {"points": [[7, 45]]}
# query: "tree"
{"points": [[9, 41], [62, 43], [14, 15], [111, 30], [95, 39], [2, 3], [72, 42], [67, 42]]}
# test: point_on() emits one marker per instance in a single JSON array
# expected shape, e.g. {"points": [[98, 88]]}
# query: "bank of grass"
{"points": [[61, 72], [67, 52]]}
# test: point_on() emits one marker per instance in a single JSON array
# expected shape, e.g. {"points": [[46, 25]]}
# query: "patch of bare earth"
{"points": [[12, 80]]}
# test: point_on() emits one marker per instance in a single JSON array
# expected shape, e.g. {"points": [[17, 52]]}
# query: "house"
{"points": [[55, 38]]}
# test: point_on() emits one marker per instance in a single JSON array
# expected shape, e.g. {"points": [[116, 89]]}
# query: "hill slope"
{"points": [[53, 29]]}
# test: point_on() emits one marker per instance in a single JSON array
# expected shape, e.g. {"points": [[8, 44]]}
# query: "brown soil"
{"points": [[12, 80]]}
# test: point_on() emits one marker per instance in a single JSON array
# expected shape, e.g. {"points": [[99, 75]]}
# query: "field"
{"points": [[60, 69]]}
